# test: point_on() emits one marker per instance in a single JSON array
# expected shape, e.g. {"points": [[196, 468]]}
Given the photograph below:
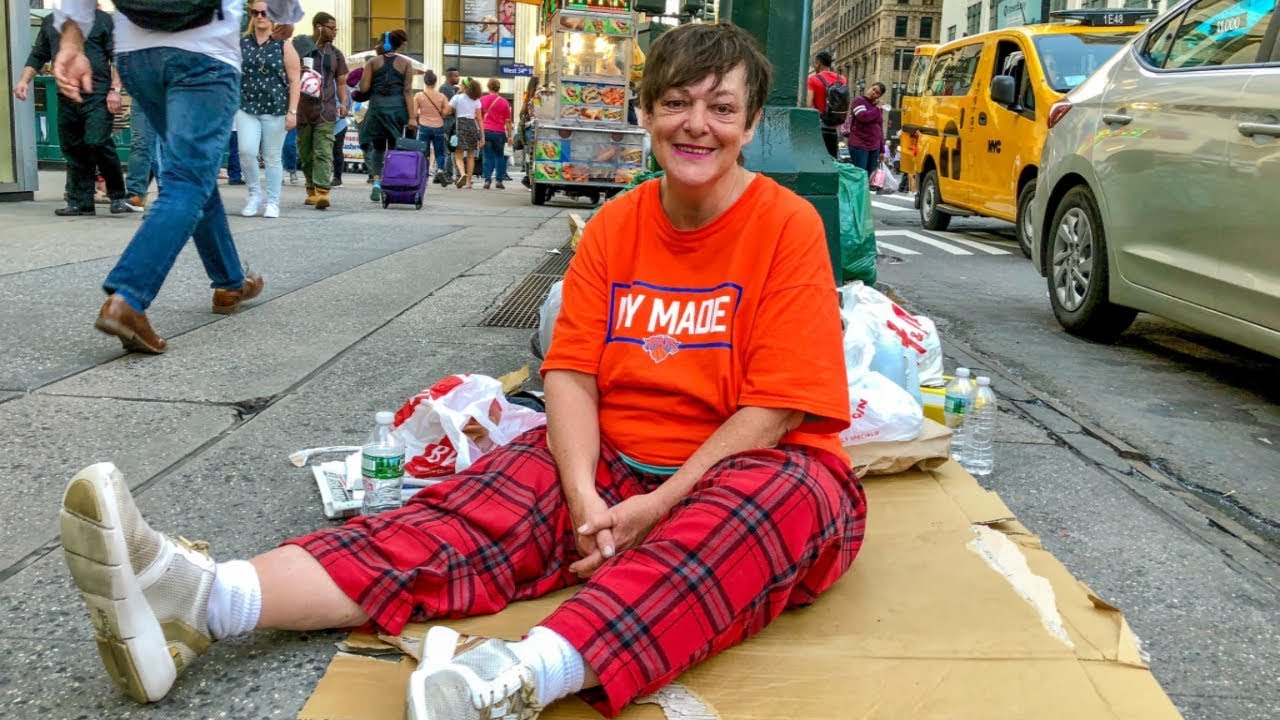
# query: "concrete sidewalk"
{"points": [[363, 308]]}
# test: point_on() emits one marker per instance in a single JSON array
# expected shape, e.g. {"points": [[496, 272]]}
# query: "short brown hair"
{"points": [[689, 53], [494, 85], [472, 88]]}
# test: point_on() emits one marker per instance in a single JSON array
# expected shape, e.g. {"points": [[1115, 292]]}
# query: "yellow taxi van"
{"points": [[909, 138], [982, 114]]}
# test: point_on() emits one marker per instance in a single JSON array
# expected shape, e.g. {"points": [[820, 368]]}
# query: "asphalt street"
{"points": [[364, 307], [1081, 422]]}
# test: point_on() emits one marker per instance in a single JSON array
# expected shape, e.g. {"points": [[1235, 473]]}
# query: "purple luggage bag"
{"points": [[404, 175]]}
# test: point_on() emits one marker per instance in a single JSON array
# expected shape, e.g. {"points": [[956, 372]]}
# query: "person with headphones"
{"points": [[388, 81]]}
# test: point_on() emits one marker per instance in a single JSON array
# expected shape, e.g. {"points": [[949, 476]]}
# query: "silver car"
{"points": [[1160, 182]]}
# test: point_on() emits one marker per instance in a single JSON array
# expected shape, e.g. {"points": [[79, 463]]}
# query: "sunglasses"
{"points": [[258, 13]]}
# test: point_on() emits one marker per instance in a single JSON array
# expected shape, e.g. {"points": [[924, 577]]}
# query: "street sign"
{"points": [[517, 70]]}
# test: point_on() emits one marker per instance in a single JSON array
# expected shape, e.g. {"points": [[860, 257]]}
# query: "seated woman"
{"points": [[388, 80], [690, 477]]}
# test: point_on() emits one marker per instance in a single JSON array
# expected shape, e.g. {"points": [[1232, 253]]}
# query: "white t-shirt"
{"points": [[219, 39], [464, 106]]}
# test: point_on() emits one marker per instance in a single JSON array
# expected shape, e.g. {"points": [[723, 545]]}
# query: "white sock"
{"points": [[235, 602], [557, 666]]}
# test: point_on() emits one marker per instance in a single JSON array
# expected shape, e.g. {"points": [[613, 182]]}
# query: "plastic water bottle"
{"points": [[382, 467], [957, 403], [979, 452]]}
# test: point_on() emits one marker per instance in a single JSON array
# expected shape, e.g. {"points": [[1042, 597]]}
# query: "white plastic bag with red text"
{"points": [[880, 411], [448, 426], [916, 332]]}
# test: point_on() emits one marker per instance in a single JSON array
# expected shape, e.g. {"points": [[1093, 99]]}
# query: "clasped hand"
{"points": [[602, 531]]}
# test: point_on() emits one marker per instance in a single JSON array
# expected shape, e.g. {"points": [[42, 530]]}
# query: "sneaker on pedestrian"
{"points": [[376, 193], [119, 207], [137, 203], [484, 679], [252, 205], [501, 186], [487, 183], [147, 594], [293, 177], [335, 183], [271, 210], [235, 182], [74, 210]]}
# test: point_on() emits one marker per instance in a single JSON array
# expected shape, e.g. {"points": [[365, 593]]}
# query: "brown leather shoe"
{"points": [[311, 196], [322, 198], [227, 302], [132, 327]]}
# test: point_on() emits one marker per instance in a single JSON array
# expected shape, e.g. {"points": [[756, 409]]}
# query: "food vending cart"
{"points": [[583, 144]]}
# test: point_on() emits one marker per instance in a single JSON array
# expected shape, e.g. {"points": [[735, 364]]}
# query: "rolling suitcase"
{"points": [[405, 174]]}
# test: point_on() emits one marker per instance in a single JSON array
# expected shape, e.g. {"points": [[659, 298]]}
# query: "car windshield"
{"points": [[1069, 59]]}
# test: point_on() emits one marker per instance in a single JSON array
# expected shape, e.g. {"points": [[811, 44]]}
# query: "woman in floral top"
{"points": [[268, 109]]}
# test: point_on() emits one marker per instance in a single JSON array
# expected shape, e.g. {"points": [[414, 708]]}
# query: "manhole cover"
{"points": [[520, 309]]}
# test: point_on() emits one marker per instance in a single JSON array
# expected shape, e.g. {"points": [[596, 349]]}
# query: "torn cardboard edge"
{"points": [[920, 627]]}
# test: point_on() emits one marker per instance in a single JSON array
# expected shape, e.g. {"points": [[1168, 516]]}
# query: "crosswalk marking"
{"points": [[956, 237], [945, 247], [895, 248], [890, 207]]}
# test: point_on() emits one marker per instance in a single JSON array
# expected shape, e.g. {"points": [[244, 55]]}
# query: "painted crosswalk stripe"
{"points": [[945, 247], [956, 237], [997, 237], [890, 207], [894, 248]]}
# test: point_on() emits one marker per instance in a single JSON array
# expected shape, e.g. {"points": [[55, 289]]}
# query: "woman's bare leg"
{"points": [[298, 594]]}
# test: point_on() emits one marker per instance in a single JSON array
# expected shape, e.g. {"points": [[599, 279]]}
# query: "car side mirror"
{"points": [[1004, 90]]}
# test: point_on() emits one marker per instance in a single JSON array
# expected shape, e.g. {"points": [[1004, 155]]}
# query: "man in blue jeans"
{"points": [[188, 84], [144, 159]]}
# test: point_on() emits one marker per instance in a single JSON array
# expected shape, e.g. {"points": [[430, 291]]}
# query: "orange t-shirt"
{"points": [[683, 328]]}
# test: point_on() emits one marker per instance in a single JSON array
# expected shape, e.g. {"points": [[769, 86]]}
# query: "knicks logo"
{"points": [[660, 347], [667, 320]]}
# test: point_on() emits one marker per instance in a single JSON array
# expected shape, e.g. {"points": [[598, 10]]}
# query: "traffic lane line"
{"points": [[945, 247]]}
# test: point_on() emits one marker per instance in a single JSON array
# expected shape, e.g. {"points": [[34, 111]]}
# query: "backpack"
{"points": [[837, 101], [170, 15]]}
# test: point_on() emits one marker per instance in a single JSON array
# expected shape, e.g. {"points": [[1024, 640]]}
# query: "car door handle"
{"points": [[1249, 129], [1114, 119]]}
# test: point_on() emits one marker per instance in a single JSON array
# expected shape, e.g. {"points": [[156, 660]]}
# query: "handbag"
{"points": [[453, 141]]}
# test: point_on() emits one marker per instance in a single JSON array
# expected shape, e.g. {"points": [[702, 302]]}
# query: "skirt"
{"points": [[469, 137]]}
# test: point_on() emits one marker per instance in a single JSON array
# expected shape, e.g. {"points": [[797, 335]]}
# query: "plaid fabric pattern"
{"points": [[761, 531]]}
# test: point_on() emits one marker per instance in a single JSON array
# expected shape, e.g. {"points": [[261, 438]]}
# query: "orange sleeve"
{"points": [[795, 356], [578, 338]]}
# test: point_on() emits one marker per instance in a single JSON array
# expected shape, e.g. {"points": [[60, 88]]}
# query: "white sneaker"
{"points": [[251, 207], [147, 594], [484, 680], [271, 210]]}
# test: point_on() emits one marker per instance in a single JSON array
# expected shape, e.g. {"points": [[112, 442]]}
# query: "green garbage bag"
{"points": [[857, 226]]}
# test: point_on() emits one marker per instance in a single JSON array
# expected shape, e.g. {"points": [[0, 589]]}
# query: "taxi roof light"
{"points": [[1104, 18]]}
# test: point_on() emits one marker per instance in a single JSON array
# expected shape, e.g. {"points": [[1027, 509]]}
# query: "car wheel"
{"points": [[930, 198], [1079, 275], [1024, 221]]}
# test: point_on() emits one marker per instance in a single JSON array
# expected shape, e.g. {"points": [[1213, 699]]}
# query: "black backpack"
{"points": [[837, 101], [170, 15]]}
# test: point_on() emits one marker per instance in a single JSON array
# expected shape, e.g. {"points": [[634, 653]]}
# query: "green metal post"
{"points": [[788, 145]]}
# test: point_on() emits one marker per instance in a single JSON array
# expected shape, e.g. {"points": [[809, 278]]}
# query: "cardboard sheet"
{"points": [[921, 627]]}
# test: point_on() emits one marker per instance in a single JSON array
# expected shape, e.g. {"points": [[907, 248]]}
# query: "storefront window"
{"points": [[371, 18], [479, 35]]}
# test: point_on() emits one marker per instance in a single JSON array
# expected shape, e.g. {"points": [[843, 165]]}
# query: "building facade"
{"points": [[961, 18], [874, 40]]}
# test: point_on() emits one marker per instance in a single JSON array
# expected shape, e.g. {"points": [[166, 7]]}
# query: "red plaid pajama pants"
{"points": [[760, 532]]}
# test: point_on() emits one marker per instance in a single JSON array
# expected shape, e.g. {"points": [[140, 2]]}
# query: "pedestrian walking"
{"points": [[467, 139], [450, 87], [234, 173], [187, 82], [144, 158], [865, 129], [828, 93], [317, 116], [268, 109], [688, 532], [388, 82], [432, 109], [84, 123], [525, 130], [498, 131], [339, 143]]}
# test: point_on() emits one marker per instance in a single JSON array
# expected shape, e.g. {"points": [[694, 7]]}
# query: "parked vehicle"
{"points": [[1159, 179], [917, 78], [983, 115]]}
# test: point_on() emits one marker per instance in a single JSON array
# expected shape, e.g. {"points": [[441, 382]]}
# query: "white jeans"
{"points": [[261, 134]]}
